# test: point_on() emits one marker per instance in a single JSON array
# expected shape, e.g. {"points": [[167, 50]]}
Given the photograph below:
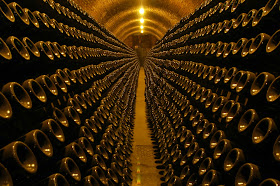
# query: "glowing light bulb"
{"points": [[142, 31], [141, 11], [142, 27], [142, 20]]}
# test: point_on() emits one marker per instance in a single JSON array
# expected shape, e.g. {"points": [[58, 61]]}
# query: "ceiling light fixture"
{"points": [[142, 20], [141, 26], [141, 11]]}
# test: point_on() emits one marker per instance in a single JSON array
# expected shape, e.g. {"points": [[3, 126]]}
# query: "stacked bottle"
{"points": [[67, 97], [212, 95]]}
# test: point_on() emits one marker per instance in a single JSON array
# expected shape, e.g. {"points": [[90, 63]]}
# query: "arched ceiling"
{"points": [[122, 17]]}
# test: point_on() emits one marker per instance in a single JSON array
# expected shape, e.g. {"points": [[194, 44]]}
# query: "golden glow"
{"points": [[142, 20], [138, 179], [163, 13], [142, 27], [151, 23], [142, 31], [137, 31], [141, 11]]}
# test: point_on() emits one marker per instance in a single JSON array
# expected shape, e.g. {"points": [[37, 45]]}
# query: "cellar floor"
{"points": [[144, 170]]}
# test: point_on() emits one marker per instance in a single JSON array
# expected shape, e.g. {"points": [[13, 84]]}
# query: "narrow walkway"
{"points": [[144, 170]]}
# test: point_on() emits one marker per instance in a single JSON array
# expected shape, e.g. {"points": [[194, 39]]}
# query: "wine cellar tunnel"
{"points": [[140, 92]]}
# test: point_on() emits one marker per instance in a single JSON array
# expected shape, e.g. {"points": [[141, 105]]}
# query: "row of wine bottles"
{"points": [[95, 121], [252, 36], [214, 11], [189, 126], [22, 21], [252, 52], [215, 119], [235, 84], [67, 99], [59, 7], [26, 49]]}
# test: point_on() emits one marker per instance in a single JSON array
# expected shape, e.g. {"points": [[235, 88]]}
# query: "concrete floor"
{"points": [[144, 170]]}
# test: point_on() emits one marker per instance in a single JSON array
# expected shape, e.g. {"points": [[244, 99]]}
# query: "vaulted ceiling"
{"points": [[122, 17]]}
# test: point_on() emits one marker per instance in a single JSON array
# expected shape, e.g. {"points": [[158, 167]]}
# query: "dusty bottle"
{"points": [[70, 170], [19, 160]]}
